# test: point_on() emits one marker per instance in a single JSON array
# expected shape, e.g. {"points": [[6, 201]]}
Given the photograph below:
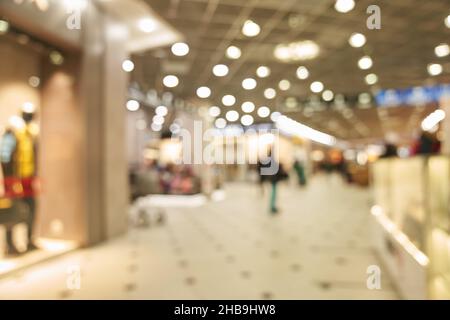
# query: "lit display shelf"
{"points": [[411, 229]]}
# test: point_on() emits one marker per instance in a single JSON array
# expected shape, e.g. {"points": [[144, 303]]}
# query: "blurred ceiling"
{"points": [[401, 51]]}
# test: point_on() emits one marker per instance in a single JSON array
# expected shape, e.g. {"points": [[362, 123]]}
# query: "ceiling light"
{"points": [[232, 115], [170, 81], [147, 25], [4, 26], [180, 49], [214, 111], [220, 123], [28, 107], [251, 29], [233, 52], [263, 72], [220, 70], [16, 122], [316, 86], [296, 51], [447, 21], [327, 95], [344, 6], [365, 63], [442, 50], [132, 105], [156, 127], [128, 66], [263, 112], [295, 128], [203, 92], [175, 128], [247, 120], [284, 85], [161, 111], [270, 93], [248, 106], [434, 69], [357, 40], [228, 100], [371, 78], [56, 58], [34, 81], [302, 73], [364, 98], [275, 116], [433, 119], [158, 120], [249, 84]]}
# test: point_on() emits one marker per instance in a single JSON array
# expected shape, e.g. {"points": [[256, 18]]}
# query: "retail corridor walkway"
{"points": [[317, 248]]}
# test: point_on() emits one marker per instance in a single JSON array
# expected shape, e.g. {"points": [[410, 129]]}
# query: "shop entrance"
{"points": [[32, 80]]}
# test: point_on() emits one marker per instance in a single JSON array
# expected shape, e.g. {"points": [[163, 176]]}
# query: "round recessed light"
{"points": [[302, 73], [316, 87], [128, 66], [275, 116], [364, 98], [232, 115], [233, 52], [344, 6], [228, 100], [263, 72], [180, 49], [214, 111], [147, 25], [220, 70], [270, 93], [156, 127], [284, 85], [170, 81], [327, 95], [132, 105], [447, 21], [251, 28], [175, 128], [203, 92], [442, 50], [247, 120], [158, 119], [28, 107], [357, 40], [248, 107], [220, 123], [434, 69], [34, 81], [56, 58], [371, 79], [161, 111], [263, 112], [249, 84], [365, 63]]}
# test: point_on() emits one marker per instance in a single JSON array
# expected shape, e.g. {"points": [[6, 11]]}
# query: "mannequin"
{"points": [[26, 172], [7, 155]]}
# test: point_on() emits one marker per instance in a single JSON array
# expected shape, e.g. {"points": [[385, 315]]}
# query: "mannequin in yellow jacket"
{"points": [[25, 167]]}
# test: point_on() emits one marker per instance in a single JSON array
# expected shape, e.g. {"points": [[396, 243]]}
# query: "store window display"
{"points": [[18, 151]]}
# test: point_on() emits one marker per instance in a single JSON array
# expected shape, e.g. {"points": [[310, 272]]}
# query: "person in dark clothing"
{"points": [[300, 170], [390, 151]]}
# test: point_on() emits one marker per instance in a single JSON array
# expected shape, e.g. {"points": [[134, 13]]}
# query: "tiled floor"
{"points": [[317, 248]]}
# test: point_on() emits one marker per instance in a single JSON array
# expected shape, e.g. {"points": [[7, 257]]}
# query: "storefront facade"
{"points": [[73, 80]]}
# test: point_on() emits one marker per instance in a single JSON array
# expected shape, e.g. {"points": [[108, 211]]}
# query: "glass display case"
{"points": [[412, 203]]}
